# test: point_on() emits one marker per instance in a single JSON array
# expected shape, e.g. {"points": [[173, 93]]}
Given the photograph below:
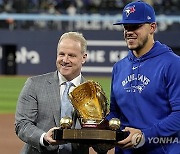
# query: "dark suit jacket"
{"points": [[38, 110]]}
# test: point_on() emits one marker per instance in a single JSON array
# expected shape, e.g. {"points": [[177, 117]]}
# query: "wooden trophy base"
{"points": [[89, 135]]}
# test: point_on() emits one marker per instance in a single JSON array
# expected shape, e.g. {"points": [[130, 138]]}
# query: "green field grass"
{"points": [[10, 87]]}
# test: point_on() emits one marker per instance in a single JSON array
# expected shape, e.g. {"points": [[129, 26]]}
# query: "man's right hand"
{"points": [[48, 137]]}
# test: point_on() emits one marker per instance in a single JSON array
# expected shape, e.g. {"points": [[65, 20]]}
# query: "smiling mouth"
{"points": [[131, 40], [64, 65]]}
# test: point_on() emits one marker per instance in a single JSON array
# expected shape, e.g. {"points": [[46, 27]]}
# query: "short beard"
{"points": [[141, 45]]}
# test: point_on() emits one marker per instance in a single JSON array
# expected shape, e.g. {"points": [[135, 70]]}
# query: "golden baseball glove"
{"points": [[90, 101]]}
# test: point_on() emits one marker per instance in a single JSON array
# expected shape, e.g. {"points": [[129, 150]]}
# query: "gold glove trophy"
{"points": [[91, 105]]}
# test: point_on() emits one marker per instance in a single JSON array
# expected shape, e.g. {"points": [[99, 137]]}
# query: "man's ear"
{"points": [[153, 27], [84, 58]]}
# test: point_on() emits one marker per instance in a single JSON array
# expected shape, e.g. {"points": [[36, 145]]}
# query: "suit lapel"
{"points": [[54, 96]]}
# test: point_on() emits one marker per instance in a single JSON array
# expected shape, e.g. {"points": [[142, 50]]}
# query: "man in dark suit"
{"points": [[39, 107]]}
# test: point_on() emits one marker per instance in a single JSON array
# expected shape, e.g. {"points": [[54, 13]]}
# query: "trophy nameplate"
{"points": [[90, 136]]}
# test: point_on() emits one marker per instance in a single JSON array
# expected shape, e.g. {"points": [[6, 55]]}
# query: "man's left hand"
{"points": [[134, 140]]}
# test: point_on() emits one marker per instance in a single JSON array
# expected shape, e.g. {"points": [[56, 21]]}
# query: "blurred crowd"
{"points": [[82, 6], [72, 7]]}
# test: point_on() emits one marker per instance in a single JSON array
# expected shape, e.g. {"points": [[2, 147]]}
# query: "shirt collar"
{"points": [[76, 81]]}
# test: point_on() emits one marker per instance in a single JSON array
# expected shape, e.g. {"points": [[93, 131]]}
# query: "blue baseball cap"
{"points": [[136, 13]]}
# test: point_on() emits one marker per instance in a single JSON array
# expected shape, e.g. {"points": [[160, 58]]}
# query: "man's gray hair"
{"points": [[77, 37]]}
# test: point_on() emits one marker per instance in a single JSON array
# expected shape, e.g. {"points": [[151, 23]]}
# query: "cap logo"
{"points": [[129, 10], [148, 18]]}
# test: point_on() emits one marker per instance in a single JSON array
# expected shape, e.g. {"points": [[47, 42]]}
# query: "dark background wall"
{"points": [[35, 51]]}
